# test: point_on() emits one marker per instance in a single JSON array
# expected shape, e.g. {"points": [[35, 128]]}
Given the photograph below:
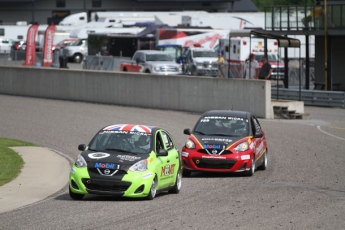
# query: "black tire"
{"points": [[252, 168], [77, 58], [75, 196], [186, 173], [177, 187], [193, 72], [153, 190], [264, 163], [147, 71]]}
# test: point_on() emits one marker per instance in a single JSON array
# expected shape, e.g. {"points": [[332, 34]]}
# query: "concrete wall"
{"points": [[181, 93]]}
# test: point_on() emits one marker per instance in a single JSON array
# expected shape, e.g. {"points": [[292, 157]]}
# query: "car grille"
{"points": [[168, 68], [213, 163], [106, 185], [210, 151], [95, 171]]}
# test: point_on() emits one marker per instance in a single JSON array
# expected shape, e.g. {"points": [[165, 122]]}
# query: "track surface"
{"points": [[302, 188]]}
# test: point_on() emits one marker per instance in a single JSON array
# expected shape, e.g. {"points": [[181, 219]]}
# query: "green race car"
{"points": [[127, 160]]}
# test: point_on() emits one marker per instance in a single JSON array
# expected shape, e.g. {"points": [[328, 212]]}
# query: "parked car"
{"points": [[127, 160], [75, 51], [5, 45], [225, 141], [63, 43]]}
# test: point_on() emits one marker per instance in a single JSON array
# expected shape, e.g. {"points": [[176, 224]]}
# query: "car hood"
{"points": [[216, 142], [205, 59], [111, 159]]}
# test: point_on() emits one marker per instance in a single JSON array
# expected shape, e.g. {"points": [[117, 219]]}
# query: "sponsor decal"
{"points": [[98, 155], [167, 170], [216, 156], [224, 118], [130, 127], [151, 159], [245, 157], [147, 175], [104, 166], [259, 148], [217, 139], [128, 158], [212, 147]]}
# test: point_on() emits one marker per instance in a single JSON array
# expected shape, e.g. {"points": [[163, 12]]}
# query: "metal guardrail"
{"points": [[311, 97], [99, 63]]}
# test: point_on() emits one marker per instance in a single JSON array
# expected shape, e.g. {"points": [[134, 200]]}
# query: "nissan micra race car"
{"points": [[225, 141], [127, 160]]}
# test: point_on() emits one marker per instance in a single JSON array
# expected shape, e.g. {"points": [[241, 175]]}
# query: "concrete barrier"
{"points": [[180, 93]]}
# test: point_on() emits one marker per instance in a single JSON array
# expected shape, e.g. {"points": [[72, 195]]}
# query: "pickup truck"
{"points": [[152, 61]]}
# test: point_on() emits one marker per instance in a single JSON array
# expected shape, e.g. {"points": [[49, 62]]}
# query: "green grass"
{"points": [[10, 162]]}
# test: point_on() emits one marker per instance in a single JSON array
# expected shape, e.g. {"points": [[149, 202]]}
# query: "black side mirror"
{"points": [[81, 147], [187, 131], [162, 153], [258, 135]]}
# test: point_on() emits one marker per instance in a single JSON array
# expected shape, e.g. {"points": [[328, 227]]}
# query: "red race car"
{"points": [[225, 141]]}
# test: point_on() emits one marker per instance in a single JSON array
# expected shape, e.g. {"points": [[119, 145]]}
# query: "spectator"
{"points": [[315, 15], [220, 62], [251, 68], [266, 69]]}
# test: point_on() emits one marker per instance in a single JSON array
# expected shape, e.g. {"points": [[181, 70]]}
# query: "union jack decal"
{"points": [[130, 127]]}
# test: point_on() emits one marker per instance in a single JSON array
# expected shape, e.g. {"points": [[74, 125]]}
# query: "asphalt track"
{"points": [[302, 188]]}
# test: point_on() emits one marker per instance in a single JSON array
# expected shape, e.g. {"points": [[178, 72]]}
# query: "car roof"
{"points": [[229, 113], [131, 127]]}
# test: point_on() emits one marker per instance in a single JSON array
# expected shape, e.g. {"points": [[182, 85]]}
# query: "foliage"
{"points": [[10, 162]]}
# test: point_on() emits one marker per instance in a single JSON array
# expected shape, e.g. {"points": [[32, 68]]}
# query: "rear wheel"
{"points": [[153, 190], [178, 183], [77, 58], [75, 196]]}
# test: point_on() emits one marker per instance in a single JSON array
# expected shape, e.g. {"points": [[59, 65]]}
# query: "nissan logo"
{"points": [[214, 151], [106, 171]]}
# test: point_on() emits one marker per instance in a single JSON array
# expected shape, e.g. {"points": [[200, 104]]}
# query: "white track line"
{"points": [[318, 127]]}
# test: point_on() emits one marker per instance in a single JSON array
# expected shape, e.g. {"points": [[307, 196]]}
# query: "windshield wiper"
{"points": [[119, 150]]}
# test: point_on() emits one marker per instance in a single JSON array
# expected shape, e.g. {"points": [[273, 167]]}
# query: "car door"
{"points": [[259, 143], [168, 166]]}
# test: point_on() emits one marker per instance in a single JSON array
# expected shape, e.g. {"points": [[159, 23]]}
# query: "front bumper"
{"points": [[130, 185], [235, 162]]}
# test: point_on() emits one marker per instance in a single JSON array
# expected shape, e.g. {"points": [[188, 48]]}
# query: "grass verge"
{"points": [[10, 162]]}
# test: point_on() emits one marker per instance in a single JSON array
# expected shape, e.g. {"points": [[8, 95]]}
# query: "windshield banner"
{"points": [[47, 59], [30, 52]]}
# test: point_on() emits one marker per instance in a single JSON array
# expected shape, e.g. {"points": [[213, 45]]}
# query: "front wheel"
{"points": [[153, 189], [264, 163], [252, 168], [177, 187], [75, 196], [77, 58]]}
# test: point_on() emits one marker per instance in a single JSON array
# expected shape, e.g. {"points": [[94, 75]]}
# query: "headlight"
{"points": [[190, 144], [242, 147], [140, 166], [156, 68], [80, 162]]}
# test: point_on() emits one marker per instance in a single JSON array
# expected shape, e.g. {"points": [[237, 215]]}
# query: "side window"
{"points": [[256, 125], [167, 141], [142, 57], [136, 55], [159, 142]]}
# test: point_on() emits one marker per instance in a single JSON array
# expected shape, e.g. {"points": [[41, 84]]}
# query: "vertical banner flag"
{"points": [[47, 59], [30, 52]]}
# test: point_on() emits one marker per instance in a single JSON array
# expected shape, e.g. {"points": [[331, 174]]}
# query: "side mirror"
{"points": [[81, 147], [187, 131], [162, 153], [258, 135]]}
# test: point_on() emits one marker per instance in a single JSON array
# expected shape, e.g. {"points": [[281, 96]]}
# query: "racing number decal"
{"points": [[167, 170]]}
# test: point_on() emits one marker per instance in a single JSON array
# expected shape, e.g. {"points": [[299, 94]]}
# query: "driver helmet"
{"points": [[143, 142]]}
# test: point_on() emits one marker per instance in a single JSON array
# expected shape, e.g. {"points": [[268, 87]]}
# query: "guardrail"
{"points": [[311, 97]]}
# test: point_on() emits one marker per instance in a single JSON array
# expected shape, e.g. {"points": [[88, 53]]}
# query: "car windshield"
{"points": [[122, 141], [205, 53], [159, 57], [222, 126]]}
